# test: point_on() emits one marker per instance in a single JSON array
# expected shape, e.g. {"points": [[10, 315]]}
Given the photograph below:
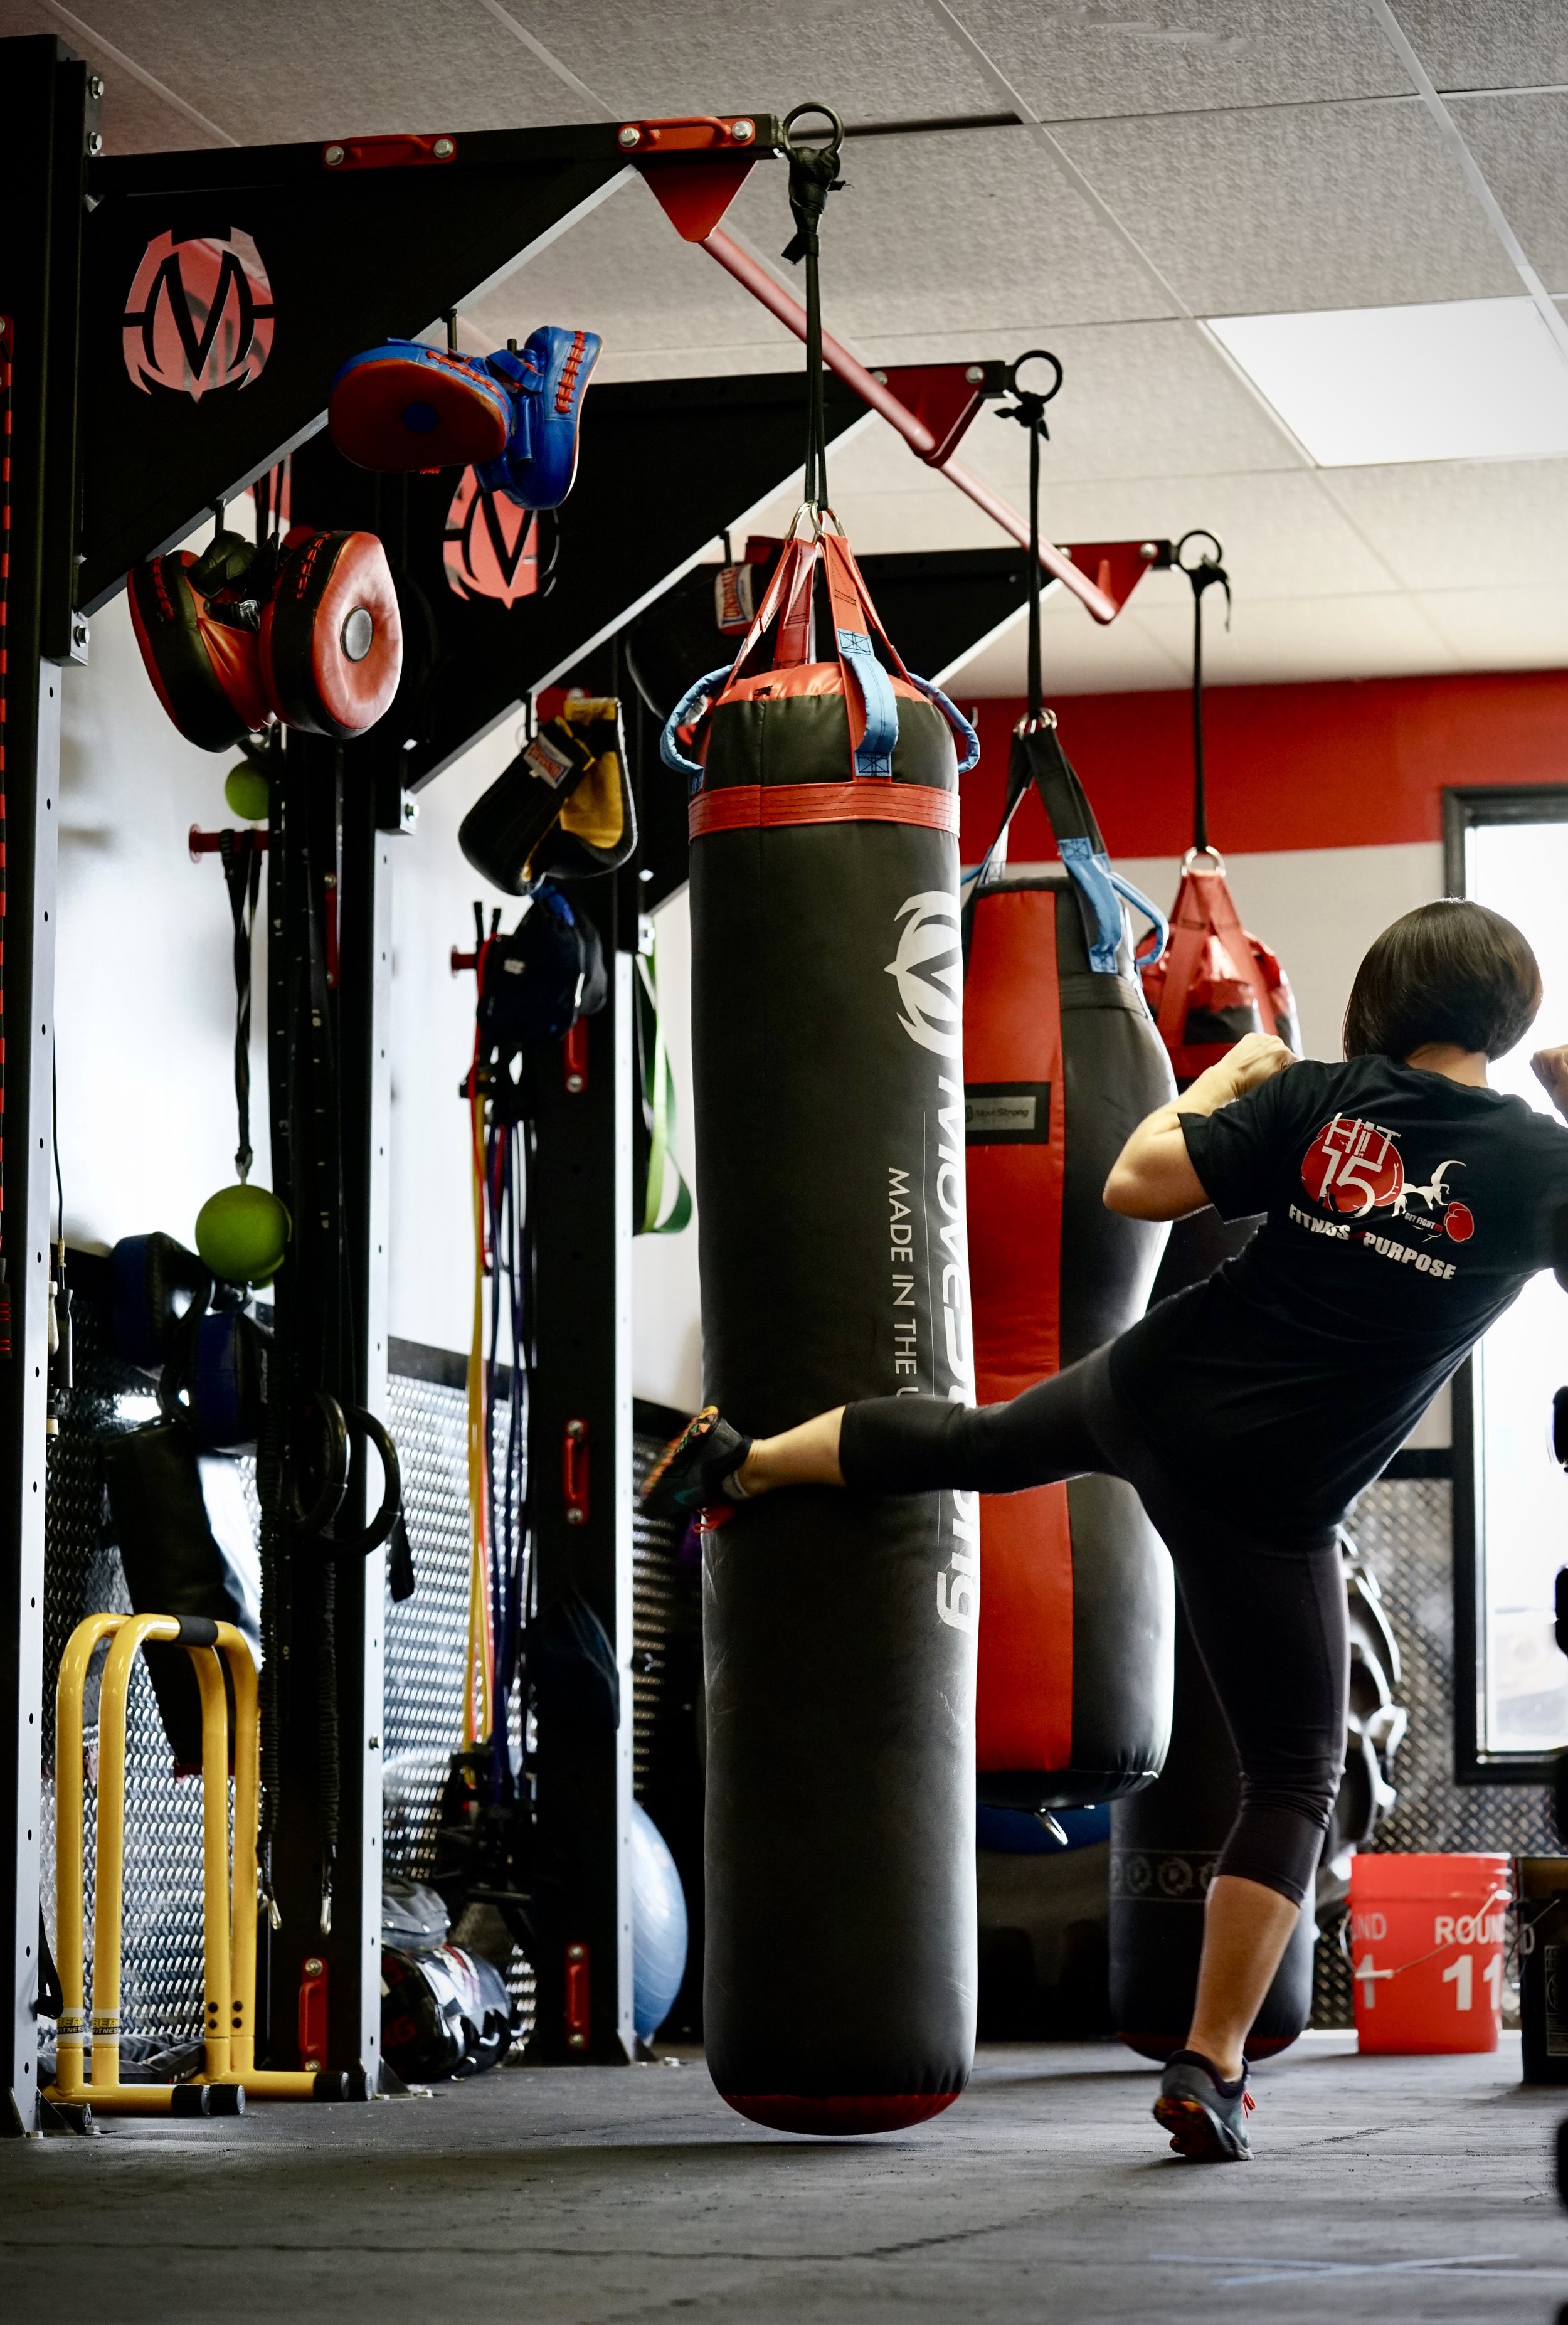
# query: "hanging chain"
{"points": [[1029, 410], [813, 176], [1204, 574]]}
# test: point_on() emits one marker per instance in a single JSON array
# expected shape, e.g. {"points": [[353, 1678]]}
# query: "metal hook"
{"points": [[1207, 567], [1013, 386], [830, 145]]}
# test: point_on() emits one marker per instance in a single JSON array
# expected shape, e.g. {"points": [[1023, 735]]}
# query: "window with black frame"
{"points": [[1508, 848]]}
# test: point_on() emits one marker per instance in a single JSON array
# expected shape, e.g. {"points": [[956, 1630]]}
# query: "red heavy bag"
{"points": [[838, 1629], [199, 648], [332, 635], [1060, 1063], [1213, 984]]}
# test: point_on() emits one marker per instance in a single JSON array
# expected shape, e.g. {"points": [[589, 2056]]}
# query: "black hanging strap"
{"points": [[241, 859], [813, 176], [1204, 574], [1029, 410]]}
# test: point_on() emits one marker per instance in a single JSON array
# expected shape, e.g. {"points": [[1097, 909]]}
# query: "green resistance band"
{"points": [[658, 1081]]}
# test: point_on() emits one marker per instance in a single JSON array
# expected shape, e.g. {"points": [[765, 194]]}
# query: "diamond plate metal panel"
{"points": [[427, 1642], [655, 1541]]}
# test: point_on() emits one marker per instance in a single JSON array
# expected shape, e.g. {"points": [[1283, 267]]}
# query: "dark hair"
{"points": [[1451, 971]]}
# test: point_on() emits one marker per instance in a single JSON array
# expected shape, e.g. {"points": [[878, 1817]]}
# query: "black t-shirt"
{"points": [[1405, 1213]]}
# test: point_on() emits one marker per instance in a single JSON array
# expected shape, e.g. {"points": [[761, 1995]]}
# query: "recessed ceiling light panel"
{"points": [[1471, 379]]}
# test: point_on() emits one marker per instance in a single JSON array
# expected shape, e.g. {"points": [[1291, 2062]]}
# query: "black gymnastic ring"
{"points": [[372, 1537], [315, 1518]]}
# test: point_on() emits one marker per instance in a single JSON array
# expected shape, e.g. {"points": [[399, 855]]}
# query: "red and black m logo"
{"points": [[200, 314]]}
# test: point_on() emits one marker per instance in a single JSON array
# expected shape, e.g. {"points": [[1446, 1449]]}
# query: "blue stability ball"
{"points": [[1015, 1833], [658, 1926]]}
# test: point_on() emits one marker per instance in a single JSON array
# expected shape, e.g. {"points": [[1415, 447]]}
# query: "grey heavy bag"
{"points": [[838, 1629]]}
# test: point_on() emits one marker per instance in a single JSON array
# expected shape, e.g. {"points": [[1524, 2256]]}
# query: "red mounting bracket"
{"points": [[577, 2000], [248, 841], [694, 165], [1117, 566], [574, 1472], [314, 2014]]}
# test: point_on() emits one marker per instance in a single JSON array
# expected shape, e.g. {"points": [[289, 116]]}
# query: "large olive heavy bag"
{"points": [[839, 1628]]}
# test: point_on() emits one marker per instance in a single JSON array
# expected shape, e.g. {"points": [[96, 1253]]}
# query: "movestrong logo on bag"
{"points": [[929, 968]]}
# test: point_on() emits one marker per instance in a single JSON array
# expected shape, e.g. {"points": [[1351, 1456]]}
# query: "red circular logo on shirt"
{"points": [[1459, 1223], [1352, 1167]]}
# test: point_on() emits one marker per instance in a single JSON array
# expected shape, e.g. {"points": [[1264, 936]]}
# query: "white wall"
{"points": [[144, 1006]]}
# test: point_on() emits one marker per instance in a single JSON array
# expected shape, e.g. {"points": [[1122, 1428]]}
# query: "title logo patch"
{"points": [[929, 968], [200, 315], [1355, 1168]]}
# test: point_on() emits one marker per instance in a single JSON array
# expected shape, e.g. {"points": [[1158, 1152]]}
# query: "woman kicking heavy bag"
{"points": [[1061, 1061], [838, 1631]]}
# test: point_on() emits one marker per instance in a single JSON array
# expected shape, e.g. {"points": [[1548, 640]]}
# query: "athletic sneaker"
{"points": [[1205, 2116], [689, 1473]]}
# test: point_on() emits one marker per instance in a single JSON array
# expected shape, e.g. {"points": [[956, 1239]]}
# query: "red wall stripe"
{"points": [[1356, 763]]}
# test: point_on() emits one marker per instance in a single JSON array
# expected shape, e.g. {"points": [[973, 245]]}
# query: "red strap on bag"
{"points": [[741, 807], [789, 599], [1204, 908]]}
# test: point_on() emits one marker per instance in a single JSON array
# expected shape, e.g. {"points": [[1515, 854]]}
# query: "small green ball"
{"points": [[241, 1234], [248, 793]]}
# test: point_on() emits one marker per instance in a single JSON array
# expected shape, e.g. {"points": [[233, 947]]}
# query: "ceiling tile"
{"points": [[1521, 143], [976, 228], [1149, 399], [1102, 57], [1333, 206], [1282, 537], [1278, 643], [663, 307], [1078, 656], [1481, 525], [879, 60], [1507, 45], [134, 119], [1501, 629], [299, 69]]}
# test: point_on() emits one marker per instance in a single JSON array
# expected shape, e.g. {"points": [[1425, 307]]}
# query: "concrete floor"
{"points": [[1384, 2189]]}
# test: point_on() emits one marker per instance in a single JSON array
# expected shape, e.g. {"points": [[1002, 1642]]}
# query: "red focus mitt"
{"points": [[331, 637], [196, 630]]}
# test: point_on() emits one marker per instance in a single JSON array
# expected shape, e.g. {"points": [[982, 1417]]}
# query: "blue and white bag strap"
{"points": [[955, 718], [1102, 888], [874, 751], [1155, 943], [670, 749]]}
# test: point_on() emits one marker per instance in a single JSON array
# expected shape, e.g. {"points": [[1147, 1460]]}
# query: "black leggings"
{"points": [[1269, 1615]]}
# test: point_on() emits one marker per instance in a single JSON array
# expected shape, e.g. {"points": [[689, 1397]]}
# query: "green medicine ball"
{"points": [[241, 1233], [248, 793]]}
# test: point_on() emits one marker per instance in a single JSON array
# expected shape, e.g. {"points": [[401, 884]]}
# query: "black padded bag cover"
{"points": [[838, 1629], [1164, 1845], [173, 1564]]}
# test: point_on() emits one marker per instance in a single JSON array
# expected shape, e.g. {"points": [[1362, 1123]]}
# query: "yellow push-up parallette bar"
{"points": [[230, 2074]]}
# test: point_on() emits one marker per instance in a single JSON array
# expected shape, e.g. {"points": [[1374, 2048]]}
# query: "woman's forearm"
{"points": [[1152, 1177]]}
